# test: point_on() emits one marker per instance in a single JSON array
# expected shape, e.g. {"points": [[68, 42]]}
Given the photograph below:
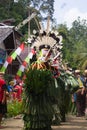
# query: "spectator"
{"points": [[17, 92], [3, 104], [10, 89], [81, 95], [85, 84]]}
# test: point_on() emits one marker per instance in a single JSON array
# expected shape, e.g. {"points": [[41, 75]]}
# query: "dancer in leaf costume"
{"points": [[40, 87]]}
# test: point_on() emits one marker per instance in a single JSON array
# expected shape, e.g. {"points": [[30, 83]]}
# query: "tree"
{"points": [[79, 41], [44, 8], [63, 30], [75, 44], [20, 10]]}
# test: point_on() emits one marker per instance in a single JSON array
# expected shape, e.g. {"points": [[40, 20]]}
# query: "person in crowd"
{"points": [[80, 95], [85, 84], [17, 92], [3, 104], [85, 79], [10, 89]]}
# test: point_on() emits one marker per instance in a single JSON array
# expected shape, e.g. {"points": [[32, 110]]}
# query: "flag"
{"points": [[12, 57], [25, 62]]}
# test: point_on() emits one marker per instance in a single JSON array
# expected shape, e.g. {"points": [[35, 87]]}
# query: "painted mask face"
{"points": [[44, 52]]}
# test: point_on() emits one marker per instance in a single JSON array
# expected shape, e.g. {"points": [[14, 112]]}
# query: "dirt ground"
{"points": [[72, 123]]}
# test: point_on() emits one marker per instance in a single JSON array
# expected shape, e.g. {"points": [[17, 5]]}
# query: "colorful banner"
{"points": [[12, 57], [25, 63]]}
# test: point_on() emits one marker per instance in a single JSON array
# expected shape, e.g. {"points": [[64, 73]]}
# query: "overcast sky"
{"points": [[66, 11]]}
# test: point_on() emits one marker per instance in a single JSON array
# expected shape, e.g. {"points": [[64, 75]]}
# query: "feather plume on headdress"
{"points": [[47, 39]]}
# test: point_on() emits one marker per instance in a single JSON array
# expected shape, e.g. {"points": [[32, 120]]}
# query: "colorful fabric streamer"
{"points": [[12, 57]]}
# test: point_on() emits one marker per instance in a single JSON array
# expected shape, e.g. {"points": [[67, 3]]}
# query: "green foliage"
{"points": [[66, 84], [75, 44], [14, 108], [38, 91], [37, 80]]}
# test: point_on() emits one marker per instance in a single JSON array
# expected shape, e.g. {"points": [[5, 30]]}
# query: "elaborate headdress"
{"points": [[47, 39]]}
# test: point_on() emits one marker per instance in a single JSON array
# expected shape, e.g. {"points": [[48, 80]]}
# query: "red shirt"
{"points": [[2, 82], [17, 95]]}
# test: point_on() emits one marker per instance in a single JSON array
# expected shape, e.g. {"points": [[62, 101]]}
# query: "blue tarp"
{"points": [[2, 55], [1, 61]]}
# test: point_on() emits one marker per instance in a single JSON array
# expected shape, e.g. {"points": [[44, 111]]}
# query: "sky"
{"points": [[66, 11]]}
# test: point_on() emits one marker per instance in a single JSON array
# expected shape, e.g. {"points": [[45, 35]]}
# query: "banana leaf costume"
{"points": [[43, 83], [66, 84], [38, 101]]}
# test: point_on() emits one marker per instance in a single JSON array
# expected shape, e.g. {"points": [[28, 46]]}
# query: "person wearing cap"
{"points": [[85, 84], [3, 105], [10, 90], [10, 86], [81, 95]]}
